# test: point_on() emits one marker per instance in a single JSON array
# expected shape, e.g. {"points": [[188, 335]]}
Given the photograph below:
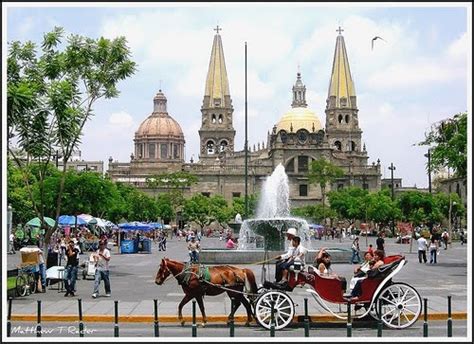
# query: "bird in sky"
{"points": [[375, 38]]}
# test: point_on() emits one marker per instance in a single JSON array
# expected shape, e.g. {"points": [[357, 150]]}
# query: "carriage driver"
{"points": [[284, 258]]}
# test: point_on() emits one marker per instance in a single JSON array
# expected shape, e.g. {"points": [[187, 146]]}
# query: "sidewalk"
{"points": [[132, 279]]}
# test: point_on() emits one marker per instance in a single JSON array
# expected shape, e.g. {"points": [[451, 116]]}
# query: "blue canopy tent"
{"points": [[136, 226], [156, 225], [70, 220]]}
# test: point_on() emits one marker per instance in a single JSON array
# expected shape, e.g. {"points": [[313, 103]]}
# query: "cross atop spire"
{"points": [[340, 30], [217, 29]]}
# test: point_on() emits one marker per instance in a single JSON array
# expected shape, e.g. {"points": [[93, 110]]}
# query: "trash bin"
{"points": [[146, 244], [127, 246]]}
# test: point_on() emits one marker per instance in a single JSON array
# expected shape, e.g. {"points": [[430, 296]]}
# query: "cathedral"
{"points": [[296, 139]]}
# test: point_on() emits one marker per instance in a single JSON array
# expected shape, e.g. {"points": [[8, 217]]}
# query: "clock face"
{"points": [[302, 136]]}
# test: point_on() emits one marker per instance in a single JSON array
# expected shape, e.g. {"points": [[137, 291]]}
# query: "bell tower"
{"points": [[342, 124], [217, 132]]}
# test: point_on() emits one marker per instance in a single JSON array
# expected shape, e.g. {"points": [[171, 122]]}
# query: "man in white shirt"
{"points": [[422, 246], [282, 260], [102, 258]]}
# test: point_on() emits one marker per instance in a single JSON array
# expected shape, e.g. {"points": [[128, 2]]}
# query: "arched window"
{"points": [[221, 119], [338, 145], [213, 118], [340, 118], [223, 145], [210, 147], [353, 146], [347, 118], [290, 166]]}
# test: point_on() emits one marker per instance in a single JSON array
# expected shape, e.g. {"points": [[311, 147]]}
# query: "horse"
{"points": [[223, 278]]}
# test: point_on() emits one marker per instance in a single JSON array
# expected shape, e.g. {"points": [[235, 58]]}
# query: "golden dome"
{"points": [[159, 124], [299, 118]]}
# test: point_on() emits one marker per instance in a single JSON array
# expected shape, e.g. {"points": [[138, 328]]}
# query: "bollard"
{"points": [[306, 318], [81, 324], [9, 317], [38, 327], [272, 319], [450, 320], [425, 323], [231, 320], [349, 323], [116, 326], [194, 327], [157, 324], [379, 322]]}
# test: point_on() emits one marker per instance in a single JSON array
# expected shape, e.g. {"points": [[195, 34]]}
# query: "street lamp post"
{"points": [[9, 226], [428, 155], [392, 168]]}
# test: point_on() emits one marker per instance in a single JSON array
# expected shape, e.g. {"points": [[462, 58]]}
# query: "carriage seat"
{"points": [[337, 279], [390, 262]]}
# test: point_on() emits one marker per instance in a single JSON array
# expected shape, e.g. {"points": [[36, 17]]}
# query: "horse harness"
{"points": [[204, 276]]}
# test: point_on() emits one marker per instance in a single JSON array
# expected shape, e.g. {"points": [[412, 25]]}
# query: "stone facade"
{"points": [[294, 141]]}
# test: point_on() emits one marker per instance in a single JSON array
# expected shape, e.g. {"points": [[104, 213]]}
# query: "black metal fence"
{"points": [[305, 325]]}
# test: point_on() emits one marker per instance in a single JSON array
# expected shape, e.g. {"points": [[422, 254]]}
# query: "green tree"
{"points": [[220, 210], [322, 172], [198, 209], [50, 97], [419, 208], [165, 208], [238, 205], [380, 208], [349, 203], [173, 184], [449, 140], [314, 213]]}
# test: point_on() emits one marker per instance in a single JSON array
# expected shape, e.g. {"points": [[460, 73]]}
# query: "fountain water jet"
{"points": [[268, 230]]}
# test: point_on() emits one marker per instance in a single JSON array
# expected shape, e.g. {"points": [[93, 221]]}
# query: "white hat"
{"points": [[291, 231]]}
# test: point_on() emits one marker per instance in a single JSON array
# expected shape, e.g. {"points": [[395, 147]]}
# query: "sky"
{"points": [[419, 75]]}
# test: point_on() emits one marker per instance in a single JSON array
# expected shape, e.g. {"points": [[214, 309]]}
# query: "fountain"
{"points": [[265, 235]]}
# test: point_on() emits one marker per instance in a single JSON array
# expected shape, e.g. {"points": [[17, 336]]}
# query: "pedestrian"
{"points": [[445, 237], [355, 251], [102, 258], [461, 237], [380, 242], [433, 250], [71, 268], [230, 244], [11, 241], [193, 249], [162, 241], [422, 247]]}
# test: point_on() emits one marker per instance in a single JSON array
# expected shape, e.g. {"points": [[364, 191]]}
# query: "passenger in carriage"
{"points": [[356, 287], [323, 261], [297, 255]]}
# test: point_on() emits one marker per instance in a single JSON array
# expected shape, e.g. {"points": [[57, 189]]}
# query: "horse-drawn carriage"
{"points": [[400, 304]]}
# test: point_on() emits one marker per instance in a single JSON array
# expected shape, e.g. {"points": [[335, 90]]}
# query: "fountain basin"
{"points": [[238, 257]]}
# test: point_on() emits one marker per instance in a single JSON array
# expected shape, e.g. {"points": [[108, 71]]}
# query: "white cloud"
{"points": [[121, 119]]}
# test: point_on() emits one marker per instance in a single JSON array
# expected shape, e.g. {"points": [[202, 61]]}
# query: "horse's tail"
{"points": [[250, 284]]}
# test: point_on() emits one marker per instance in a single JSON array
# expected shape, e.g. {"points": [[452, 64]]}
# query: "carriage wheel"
{"points": [[33, 283], [401, 305], [284, 309]]}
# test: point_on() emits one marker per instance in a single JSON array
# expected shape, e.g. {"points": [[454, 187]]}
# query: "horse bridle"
{"points": [[170, 273]]}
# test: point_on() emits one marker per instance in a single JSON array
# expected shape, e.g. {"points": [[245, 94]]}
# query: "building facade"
{"points": [[295, 140]]}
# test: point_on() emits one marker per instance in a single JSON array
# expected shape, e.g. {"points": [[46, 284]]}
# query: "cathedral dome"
{"points": [[159, 123], [299, 118]]}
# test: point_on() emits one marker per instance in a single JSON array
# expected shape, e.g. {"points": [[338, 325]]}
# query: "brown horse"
{"points": [[223, 278]]}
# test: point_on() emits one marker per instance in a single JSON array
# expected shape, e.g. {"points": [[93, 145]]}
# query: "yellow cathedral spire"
{"points": [[217, 85], [341, 85]]}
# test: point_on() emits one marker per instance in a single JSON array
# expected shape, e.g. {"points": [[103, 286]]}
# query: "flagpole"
{"points": [[246, 142]]}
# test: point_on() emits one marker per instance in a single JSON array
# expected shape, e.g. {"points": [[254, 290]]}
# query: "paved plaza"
{"points": [[132, 281]]}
